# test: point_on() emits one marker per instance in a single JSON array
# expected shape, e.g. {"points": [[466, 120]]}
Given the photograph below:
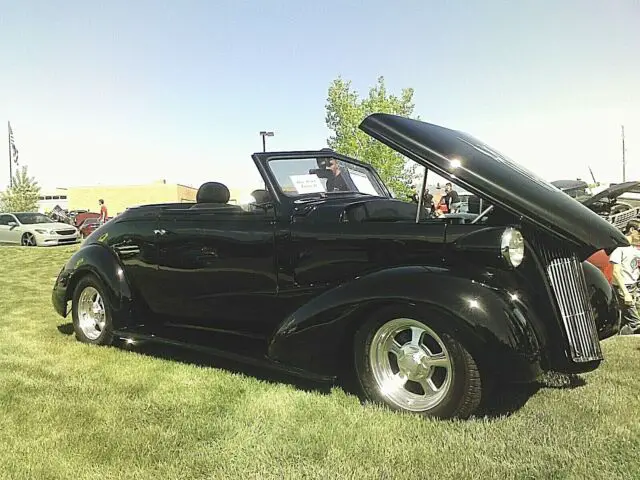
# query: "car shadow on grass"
{"points": [[202, 359], [504, 400], [507, 399], [66, 328], [209, 360]]}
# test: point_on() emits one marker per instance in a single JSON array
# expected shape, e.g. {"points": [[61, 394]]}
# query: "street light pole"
{"points": [[264, 136]]}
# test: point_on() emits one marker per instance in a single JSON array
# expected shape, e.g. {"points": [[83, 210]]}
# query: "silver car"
{"points": [[35, 229]]}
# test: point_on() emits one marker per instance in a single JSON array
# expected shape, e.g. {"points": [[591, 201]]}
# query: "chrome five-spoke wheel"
{"points": [[29, 240], [411, 358], [91, 313], [410, 364]]}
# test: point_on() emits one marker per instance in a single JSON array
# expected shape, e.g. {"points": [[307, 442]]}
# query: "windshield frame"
{"points": [[21, 215], [372, 174]]}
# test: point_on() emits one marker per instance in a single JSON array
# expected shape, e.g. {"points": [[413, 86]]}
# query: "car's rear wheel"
{"points": [[28, 240], [408, 362], [91, 312]]}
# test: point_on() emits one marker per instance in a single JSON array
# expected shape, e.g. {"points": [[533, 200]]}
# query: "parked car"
{"points": [[578, 189], [35, 229], [89, 225], [605, 202], [81, 216], [321, 282], [58, 214]]}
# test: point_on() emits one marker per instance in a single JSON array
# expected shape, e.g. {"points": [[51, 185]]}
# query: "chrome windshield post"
{"points": [[421, 194], [482, 214]]}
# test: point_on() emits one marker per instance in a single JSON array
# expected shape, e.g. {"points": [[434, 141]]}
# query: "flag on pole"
{"points": [[12, 146]]}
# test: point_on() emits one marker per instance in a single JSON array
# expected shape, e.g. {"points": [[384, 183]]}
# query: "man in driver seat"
{"points": [[336, 181], [336, 178]]}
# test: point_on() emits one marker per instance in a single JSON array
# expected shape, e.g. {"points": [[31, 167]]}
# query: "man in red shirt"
{"points": [[103, 212]]}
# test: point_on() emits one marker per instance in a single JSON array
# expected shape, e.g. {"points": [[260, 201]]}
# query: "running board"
{"points": [[236, 357]]}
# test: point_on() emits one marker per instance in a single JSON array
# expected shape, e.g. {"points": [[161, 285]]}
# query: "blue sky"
{"points": [[129, 92]]}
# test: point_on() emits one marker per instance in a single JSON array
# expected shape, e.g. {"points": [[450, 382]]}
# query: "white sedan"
{"points": [[35, 229]]}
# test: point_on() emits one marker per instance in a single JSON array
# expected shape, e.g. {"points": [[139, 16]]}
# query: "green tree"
{"points": [[23, 195], [344, 112]]}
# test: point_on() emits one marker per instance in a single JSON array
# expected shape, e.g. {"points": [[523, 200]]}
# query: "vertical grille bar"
{"points": [[568, 283]]}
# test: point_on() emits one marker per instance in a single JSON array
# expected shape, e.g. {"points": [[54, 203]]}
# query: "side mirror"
{"points": [[12, 224]]}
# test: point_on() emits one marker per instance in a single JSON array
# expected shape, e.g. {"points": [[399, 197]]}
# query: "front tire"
{"points": [[407, 361], [91, 312], [28, 240]]}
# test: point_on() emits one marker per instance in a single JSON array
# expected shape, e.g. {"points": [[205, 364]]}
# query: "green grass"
{"points": [[73, 411]]}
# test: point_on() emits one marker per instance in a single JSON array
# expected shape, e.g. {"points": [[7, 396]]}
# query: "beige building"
{"points": [[118, 198]]}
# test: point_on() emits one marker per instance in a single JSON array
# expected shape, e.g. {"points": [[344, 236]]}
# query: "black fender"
{"points": [[103, 263], [496, 325], [603, 301]]}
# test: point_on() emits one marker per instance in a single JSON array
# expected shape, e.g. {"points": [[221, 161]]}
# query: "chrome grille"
{"points": [[65, 232], [565, 274]]}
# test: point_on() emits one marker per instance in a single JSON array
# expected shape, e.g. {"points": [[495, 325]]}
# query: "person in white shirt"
{"points": [[626, 271]]}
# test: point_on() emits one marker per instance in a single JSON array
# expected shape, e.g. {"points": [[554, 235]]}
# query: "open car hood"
{"points": [[570, 184], [482, 170], [612, 192]]}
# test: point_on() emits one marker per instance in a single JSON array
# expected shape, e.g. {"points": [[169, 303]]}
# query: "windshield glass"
{"points": [[31, 218], [299, 176]]}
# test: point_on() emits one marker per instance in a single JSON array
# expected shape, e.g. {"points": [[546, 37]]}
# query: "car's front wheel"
{"points": [[410, 363], [28, 240], [91, 312]]}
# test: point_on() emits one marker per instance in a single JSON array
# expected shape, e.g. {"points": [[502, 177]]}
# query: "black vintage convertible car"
{"points": [[326, 273]]}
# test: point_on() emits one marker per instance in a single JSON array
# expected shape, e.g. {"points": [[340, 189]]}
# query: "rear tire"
{"points": [[91, 312], [406, 360]]}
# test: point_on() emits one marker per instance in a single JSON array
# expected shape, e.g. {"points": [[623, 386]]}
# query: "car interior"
{"points": [[214, 196], [261, 196], [390, 210]]}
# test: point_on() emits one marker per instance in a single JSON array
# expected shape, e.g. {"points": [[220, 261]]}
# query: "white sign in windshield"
{"points": [[362, 183], [307, 183]]}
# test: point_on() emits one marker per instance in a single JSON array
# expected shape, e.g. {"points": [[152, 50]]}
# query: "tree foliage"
{"points": [[23, 195], [344, 112]]}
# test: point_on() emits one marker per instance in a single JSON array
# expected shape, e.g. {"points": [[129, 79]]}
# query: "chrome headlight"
{"points": [[43, 231], [512, 247]]}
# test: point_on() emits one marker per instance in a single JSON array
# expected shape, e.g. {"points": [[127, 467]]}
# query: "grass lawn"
{"points": [[73, 411]]}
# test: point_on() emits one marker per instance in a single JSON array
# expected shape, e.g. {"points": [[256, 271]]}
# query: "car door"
{"points": [[316, 257], [133, 240], [218, 268], [4, 228], [9, 234]]}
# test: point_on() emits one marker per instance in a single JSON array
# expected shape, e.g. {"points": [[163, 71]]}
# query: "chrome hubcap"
{"points": [[91, 313], [410, 364]]}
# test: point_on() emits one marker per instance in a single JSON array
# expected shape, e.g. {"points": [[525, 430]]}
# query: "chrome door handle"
{"points": [[162, 231]]}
